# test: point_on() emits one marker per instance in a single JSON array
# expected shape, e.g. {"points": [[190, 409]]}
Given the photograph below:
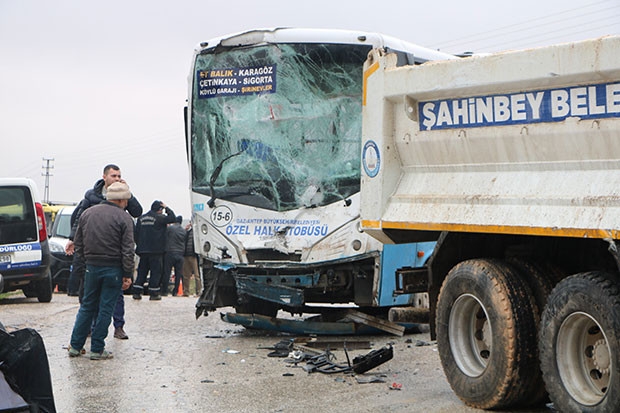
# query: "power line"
{"points": [[520, 41], [531, 24]]}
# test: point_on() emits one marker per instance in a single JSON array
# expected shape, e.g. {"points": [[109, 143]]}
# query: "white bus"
{"points": [[273, 126]]}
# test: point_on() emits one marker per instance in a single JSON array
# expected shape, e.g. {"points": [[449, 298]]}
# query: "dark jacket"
{"points": [[151, 232], [175, 239], [104, 237], [189, 243], [94, 196]]}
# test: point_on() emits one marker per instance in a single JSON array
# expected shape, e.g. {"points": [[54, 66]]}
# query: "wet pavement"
{"points": [[175, 363]]}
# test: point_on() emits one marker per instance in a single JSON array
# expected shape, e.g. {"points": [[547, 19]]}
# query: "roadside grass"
{"points": [[7, 295]]}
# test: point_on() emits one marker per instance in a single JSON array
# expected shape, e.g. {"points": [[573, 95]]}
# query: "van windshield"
{"points": [[18, 221], [62, 225]]}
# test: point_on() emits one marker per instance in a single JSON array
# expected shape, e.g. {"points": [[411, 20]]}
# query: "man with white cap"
{"points": [[104, 239], [94, 196]]}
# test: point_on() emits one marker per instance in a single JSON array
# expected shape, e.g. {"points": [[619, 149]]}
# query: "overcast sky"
{"points": [[90, 83]]}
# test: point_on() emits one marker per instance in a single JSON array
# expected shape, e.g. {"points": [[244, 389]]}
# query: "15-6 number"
{"points": [[221, 215]]}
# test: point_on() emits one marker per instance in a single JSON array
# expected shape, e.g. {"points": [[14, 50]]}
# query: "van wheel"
{"points": [[486, 335], [580, 344], [44, 288], [30, 290]]}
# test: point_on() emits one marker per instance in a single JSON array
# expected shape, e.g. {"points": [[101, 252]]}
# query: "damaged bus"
{"points": [[273, 127]]}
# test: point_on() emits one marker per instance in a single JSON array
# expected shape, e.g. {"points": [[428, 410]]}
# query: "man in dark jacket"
{"points": [[175, 246], [95, 196], [104, 240], [190, 263], [151, 247]]}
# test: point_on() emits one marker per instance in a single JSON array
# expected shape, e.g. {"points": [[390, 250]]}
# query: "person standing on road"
{"points": [[94, 196], [104, 241], [190, 263], [175, 247], [151, 247]]}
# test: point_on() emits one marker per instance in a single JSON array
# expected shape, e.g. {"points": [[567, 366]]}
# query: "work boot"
{"points": [[137, 296], [120, 333], [154, 297]]}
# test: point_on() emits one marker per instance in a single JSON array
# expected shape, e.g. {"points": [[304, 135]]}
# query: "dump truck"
{"points": [[512, 162]]}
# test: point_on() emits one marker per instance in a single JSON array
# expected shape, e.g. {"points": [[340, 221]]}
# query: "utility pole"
{"points": [[47, 174]]}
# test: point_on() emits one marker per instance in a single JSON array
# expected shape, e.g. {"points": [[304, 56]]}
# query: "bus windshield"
{"points": [[278, 126]]}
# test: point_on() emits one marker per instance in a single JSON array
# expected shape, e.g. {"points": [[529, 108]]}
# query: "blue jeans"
{"points": [[101, 290], [119, 311]]}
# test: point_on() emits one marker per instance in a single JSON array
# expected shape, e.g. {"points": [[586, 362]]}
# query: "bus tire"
{"points": [[579, 345], [486, 334]]}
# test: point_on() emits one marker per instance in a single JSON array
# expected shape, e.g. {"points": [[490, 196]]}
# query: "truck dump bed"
{"points": [[524, 142]]}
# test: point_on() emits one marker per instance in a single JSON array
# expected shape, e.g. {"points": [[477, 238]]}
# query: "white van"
{"points": [[59, 237], [24, 248]]}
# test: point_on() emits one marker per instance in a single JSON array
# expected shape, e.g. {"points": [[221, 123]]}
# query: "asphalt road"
{"points": [[175, 363]]}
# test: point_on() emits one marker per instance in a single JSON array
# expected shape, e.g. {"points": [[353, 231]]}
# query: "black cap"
{"points": [[156, 206]]}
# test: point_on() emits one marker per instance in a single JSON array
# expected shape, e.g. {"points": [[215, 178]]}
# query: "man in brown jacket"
{"points": [[104, 239]]}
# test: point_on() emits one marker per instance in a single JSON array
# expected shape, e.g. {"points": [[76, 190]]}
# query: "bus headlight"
{"points": [[206, 247], [204, 229]]}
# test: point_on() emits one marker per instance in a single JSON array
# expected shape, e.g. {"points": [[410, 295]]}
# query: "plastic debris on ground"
{"points": [[325, 362]]}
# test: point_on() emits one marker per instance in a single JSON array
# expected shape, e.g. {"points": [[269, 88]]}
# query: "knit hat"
{"points": [[179, 219], [156, 206], [118, 190]]}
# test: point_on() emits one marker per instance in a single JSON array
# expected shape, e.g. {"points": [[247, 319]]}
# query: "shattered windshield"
{"points": [[278, 126]]}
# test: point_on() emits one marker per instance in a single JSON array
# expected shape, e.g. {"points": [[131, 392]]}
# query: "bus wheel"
{"points": [[486, 334], [579, 345]]}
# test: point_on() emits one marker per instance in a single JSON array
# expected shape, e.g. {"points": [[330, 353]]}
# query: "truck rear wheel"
{"points": [[579, 346], [541, 277], [486, 335]]}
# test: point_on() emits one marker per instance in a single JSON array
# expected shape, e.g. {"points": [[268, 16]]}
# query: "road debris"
{"points": [[395, 386], [351, 322], [325, 362], [370, 379]]}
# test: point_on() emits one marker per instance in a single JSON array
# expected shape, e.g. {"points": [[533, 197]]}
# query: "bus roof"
{"points": [[295, 35]]}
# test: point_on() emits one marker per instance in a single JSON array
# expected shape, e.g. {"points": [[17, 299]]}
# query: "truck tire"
{"points": [[580, 344], [486, 335], [541, 278]]}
